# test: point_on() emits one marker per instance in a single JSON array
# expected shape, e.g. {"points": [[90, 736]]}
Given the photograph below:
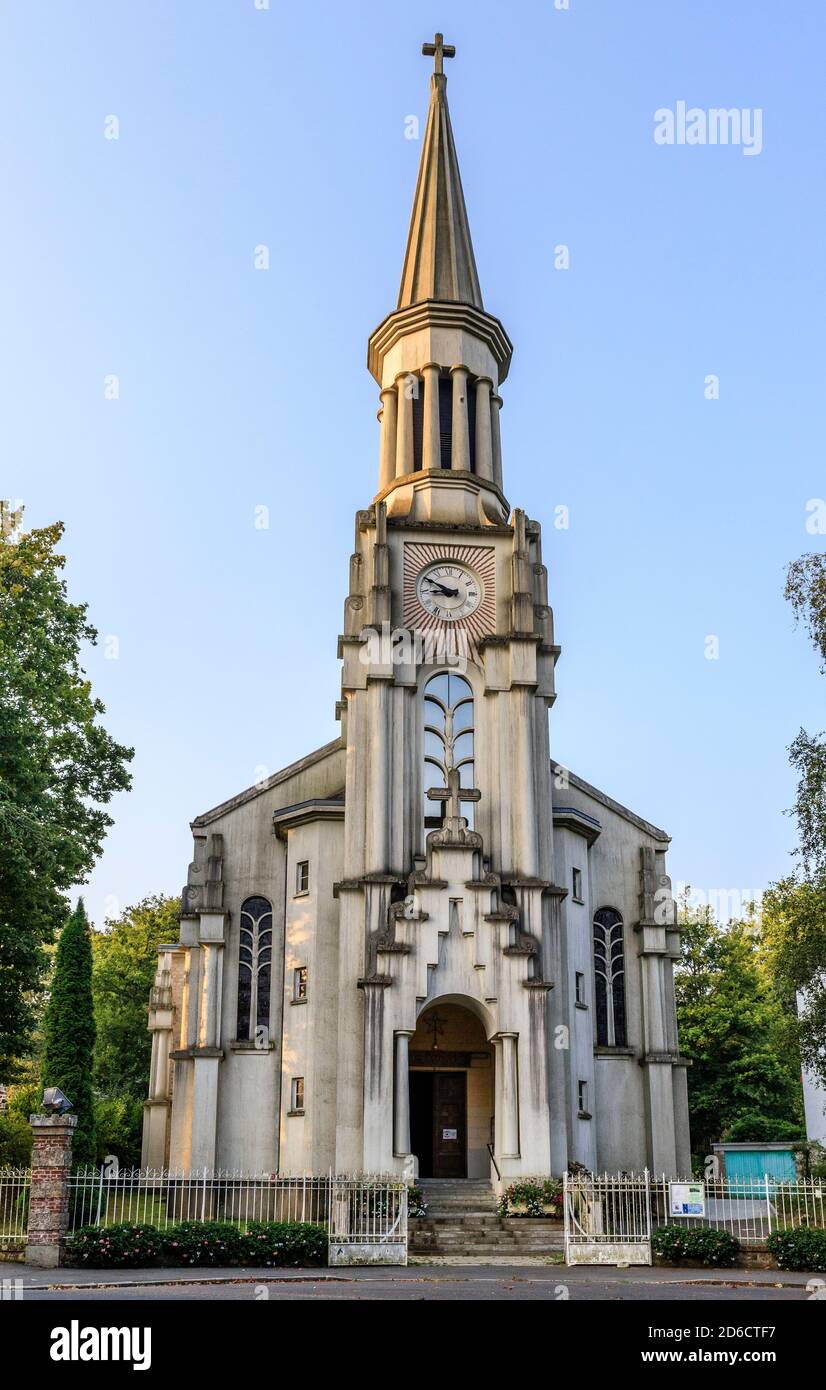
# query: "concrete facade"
{"points": [[336, 913]]}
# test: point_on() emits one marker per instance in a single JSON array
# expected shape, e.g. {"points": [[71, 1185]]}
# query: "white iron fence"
{"points": [[368, 1221], [610, 1218], [15, 1185], [607, 1220], [366, 1217], [162, 1198], [748, 1208]]}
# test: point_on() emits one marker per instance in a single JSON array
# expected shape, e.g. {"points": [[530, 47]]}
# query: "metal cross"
{"points": [[438, 50], [437, 1026]]}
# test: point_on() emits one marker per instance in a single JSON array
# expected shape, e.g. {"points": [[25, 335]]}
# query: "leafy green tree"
{"points": [[806, 592], [795, 908], [794, 931], [58, 767], [69, 1029], [125, 958], [733, 1030]]}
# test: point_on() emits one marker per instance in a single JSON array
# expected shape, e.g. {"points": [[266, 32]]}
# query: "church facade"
{"points": [[427, 946]]}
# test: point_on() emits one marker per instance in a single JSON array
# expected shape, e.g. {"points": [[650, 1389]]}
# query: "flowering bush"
{"points": [[204, 1243], [263, 1243], [532, 1197], [121, 1246], [803, 1248], [285, 1243], [698, 1244], [416, 1204]]}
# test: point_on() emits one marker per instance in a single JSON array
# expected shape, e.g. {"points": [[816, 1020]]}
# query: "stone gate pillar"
{"points": [[49, 1198]]}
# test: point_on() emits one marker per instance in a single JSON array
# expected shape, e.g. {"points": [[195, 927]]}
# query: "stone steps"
{"points": [[463, 1221]]}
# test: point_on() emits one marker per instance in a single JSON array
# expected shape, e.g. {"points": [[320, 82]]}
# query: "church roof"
{"points": [[439, 261]]}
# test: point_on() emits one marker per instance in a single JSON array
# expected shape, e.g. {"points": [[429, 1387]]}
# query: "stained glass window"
{"points": [[448, 741], [609, 977], [254, 967]]}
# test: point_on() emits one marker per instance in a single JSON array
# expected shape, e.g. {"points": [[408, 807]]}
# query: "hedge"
{"points": [[697, 1244], [804, 1248], [126, 1245]]}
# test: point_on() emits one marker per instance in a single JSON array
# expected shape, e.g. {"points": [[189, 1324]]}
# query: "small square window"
{"points": [[576, 875], [297, 1094], [580, 987], [300, 984], [582, 1097], [302, 876]]}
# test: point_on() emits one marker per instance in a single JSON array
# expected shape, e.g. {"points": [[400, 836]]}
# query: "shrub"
{"points": [[416, 1204], [198, 1243], [121, 1246], [203, 1243], [803, 1248], [535, 1195], [285, 1243], [697, 1244], [762, 1129]]}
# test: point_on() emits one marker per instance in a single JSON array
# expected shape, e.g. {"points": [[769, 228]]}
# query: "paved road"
{"points": [[417, 1284]]}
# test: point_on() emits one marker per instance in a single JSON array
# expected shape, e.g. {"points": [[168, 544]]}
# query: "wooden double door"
{"points": [[438, 1122]]}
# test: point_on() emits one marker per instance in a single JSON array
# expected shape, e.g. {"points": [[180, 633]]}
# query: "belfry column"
{"points": [[431, 441], [460, 457], [387, 455], [484, 430], [404, 432], [495, 407], [401, 1131]]}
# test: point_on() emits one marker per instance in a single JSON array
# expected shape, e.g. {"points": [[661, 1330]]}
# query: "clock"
{"points": [[449, 591]]}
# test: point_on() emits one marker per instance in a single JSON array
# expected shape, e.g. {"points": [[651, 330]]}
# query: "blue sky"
{"points": [[240, 388]]}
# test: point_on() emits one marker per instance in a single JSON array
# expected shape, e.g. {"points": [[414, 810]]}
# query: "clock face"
{"points": [[449, 591]]}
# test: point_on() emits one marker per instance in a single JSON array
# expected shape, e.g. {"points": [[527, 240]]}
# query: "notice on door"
{"points": [[450, 1134]]}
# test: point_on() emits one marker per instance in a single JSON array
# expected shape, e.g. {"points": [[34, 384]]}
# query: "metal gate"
{"points": [[607, 1220], [368, 1221]]}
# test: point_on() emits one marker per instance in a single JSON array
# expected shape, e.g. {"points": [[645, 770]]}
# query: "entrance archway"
{"points": [[451, 1093]]}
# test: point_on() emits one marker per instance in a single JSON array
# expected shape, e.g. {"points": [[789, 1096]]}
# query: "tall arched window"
{"points": [[609, 977], [448, 741], [254, 967]]}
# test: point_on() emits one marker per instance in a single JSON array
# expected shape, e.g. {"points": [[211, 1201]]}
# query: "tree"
{"points": [[125, 958], [69, 1029], [795, 908], [806, 592], [58, 766], [734, 1031], [794, 930]]}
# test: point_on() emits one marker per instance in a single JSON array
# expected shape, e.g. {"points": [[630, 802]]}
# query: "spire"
{"points": [[439, 261]]}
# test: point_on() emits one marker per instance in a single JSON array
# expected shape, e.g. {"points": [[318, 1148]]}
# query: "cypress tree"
{"points": [[69, 1030]]}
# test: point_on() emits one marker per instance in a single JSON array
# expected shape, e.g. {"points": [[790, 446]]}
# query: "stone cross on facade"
{"points": [[438, 50], [454, 794]]}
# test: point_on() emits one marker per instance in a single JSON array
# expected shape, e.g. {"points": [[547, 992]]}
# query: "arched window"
{"points": [[448, 741], [254, 967], [609, 977]]}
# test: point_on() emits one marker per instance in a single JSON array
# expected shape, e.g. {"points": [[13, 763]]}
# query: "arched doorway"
{"points": [[451, 1093]]}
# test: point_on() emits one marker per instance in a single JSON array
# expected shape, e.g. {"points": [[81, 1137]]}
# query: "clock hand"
{"points": [[450, 593]]}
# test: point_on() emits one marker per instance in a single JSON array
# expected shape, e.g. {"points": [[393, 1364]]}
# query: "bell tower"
{"points": [[448, 673], [439, 358]]}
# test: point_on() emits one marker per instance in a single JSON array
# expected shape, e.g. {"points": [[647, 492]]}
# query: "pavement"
{"points": [[416, 1282]]}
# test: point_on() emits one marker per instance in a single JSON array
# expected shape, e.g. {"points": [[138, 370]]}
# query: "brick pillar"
{"points": [[49, 1199]]}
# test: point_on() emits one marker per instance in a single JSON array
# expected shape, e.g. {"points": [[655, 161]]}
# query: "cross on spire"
{"points": [[438, 50]]}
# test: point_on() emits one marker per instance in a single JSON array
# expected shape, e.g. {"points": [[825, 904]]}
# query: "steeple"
{"points": [[439, 261], [439, 358]]}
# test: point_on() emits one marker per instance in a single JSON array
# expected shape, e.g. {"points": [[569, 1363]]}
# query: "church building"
{"points": [[427, 946]]}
